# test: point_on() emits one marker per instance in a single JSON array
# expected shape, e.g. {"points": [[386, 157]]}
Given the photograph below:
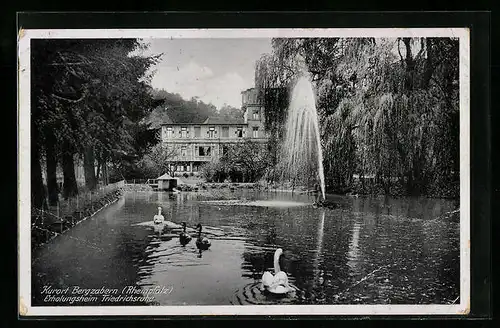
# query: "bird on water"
{"points": [[202, 243], [276, 283], [184, 237]]}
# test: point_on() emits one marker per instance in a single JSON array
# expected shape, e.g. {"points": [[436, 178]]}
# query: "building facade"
{"points": [[195, 144]]}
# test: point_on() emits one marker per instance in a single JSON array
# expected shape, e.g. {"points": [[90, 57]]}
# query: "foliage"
{"points": [[91, 90], [242, 162], [230, 114], [89, 97], [184, 111], [180, 110], [214, 171], [157, 161]]}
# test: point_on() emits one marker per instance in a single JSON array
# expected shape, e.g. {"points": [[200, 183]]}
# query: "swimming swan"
{"points": [[158, 218], [277, 283], [202, 242], [184, 238]]}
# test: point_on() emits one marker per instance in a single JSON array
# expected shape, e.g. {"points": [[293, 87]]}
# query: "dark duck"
{"points": [[202, 243], [184, 238]]}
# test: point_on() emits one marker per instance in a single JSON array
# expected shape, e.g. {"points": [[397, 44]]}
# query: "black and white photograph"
{"points": [[244, 171]]}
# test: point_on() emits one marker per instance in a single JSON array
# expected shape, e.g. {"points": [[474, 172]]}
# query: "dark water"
{"points": [[369, 251]]}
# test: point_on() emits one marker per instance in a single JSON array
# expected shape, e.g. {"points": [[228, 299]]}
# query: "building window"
{"points": [[180, 168], [170, 132], [239, 132], [183, 132], [255, 114], [255, 132], [204, 151], [225, 150], [187, 168], [211, 132], [183, 151], [172, 168], [225, 132], [197, 131]]}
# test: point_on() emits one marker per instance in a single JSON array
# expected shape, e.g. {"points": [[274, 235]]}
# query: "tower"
{"points": [[253, 113]]}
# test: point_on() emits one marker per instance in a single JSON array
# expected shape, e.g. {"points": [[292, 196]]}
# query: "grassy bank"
{"points": [[449, 191]]}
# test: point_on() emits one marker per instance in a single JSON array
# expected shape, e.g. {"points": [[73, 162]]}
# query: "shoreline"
{"points": [[300, 190], [303, 190]]}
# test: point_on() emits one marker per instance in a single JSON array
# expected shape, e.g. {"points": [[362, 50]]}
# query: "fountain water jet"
{"points": [[302, 145]]}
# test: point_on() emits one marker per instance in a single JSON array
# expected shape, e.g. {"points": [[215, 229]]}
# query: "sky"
{"points": [[214, 70]]}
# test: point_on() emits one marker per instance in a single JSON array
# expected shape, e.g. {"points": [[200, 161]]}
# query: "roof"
{"points": [[166, 176], [224, 120], [247, 90], [159, 117]]}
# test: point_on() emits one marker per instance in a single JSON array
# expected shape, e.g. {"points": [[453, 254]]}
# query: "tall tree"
{"points": [[387, 107], [84, 92], [159, 160], [184, 111], [229, 113]]}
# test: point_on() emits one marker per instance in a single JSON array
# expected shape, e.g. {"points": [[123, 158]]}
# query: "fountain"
{"points": [[301, 147]]}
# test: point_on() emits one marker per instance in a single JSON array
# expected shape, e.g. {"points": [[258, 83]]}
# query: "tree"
{"points": [[395, 111], [184, 111], [87, 95], [247, 159], [215, 171], [121, 100], [46, 113], [159, 160], [387, 107], [229, 113]]}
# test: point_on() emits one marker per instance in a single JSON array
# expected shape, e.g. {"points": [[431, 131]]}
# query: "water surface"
{"points": [[374, 250]]}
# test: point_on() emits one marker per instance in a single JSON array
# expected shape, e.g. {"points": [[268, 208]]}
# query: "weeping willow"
{"points": [[388, 108]]}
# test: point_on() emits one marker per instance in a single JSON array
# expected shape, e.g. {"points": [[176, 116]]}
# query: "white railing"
{"points": [[83, 199], [67, 212], [136, 181]]}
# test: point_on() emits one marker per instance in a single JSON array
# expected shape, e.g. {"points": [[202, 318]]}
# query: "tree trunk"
{"points": [[68, 164], [105, 173], [52, 188], [429, 64], [101, 169], [89, 168], [455, 141], [410, 65], [409, 183], [37, 188], [99, 172]]}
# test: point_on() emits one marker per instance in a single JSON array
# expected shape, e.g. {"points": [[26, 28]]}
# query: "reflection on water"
{"points": [[369, 251], [353, 247]]}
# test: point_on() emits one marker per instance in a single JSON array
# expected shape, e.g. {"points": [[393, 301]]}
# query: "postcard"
{"points": [[285, 171]]}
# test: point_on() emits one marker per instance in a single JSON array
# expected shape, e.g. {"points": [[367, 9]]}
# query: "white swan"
{"points": [[277, 283], [158, 218]]}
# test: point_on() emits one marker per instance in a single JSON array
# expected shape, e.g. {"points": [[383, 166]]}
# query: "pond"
{"points": [[370, 250]]}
